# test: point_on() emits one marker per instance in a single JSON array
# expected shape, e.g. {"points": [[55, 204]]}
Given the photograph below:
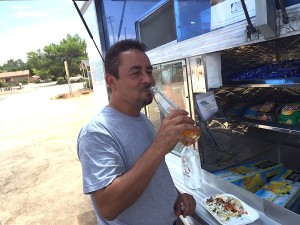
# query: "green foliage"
{"points": [[8, 84], [39, 64], [60, 80], [50, 63], [2, 84], [88, 83], [13, 65]]}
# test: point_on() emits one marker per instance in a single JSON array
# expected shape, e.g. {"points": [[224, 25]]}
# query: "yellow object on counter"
{"points": [[283, 189], [251, 176]]}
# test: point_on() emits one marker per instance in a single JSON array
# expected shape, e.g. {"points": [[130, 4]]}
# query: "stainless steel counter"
{"points": [[269, 213]]}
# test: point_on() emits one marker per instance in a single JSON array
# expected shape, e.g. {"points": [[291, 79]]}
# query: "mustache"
{"points": [[145, 88]]}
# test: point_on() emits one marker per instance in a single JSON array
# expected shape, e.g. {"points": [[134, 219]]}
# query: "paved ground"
{"points": [[40, 176]]}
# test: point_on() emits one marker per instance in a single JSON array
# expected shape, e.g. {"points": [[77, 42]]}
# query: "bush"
{"points": [[88, 83], [60, 80], [7, 84]]}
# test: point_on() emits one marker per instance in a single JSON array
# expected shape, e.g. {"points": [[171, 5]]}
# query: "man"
{"points": [[123, 159]]}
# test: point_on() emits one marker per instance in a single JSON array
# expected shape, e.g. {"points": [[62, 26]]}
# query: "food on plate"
{"points": [[225, 207]]}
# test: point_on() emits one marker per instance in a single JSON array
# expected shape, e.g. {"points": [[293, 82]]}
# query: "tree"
{"points": [[14, 65], [50, 62], [33, 58], [37, 62], [71, 49]]}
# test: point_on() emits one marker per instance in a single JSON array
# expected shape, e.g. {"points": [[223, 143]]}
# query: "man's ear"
{"points": [[110, 80]]}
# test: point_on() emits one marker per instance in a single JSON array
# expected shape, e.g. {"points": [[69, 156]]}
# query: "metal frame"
{"points": [[224, 38]]}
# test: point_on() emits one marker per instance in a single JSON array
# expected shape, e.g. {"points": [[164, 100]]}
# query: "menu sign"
{"points": [[226, 12], [207, 105]]}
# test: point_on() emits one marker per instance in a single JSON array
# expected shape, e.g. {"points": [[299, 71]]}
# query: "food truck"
{"points": [[234, 65]]}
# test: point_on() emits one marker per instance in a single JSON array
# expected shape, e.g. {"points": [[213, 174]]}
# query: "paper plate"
{"points": [[244, 219]]}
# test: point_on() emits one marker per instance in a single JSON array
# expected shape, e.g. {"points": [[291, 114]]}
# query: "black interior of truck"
{"points": [[261, 86]]}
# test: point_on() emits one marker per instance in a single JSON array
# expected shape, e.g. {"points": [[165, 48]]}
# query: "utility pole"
{"points": [[109, 18], [68, 77]]}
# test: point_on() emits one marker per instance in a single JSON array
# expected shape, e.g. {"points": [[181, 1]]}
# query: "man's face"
{"points": [[135, 78]]}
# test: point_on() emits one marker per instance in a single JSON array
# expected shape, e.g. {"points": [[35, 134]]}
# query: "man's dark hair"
{"points": [[112, 59]]}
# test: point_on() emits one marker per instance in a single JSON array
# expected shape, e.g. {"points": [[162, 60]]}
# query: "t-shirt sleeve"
{"points": [[100, 159]]}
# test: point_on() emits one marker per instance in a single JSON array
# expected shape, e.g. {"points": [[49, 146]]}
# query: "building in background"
{"points": [[15, 76]]}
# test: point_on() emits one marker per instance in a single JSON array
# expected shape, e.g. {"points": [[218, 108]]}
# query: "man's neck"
{"points": [[127, 110]]}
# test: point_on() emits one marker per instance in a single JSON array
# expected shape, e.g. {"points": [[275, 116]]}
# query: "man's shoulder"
{"points": [[95, 124]]}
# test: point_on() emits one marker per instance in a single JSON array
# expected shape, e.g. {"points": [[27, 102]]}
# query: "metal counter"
{"points": [[269, 213]]}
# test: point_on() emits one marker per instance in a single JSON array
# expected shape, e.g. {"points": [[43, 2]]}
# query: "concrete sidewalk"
{"points": [[40, 176]]}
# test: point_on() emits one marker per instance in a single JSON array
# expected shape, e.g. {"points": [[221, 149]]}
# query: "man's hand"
{"points": [[185, 205], [170, 132]]}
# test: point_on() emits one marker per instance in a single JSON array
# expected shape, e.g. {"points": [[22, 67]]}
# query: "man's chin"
{"points": [[146, 102]]}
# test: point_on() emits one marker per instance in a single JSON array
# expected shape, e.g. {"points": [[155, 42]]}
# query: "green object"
{"points": [[290, 114]]}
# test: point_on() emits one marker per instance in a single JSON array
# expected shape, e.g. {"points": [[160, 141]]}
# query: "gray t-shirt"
{"points": [[108, 146]]}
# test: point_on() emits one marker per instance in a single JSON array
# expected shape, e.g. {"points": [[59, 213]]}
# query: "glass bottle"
{"points": [[165, 105], [191, 167], [190, 158]]}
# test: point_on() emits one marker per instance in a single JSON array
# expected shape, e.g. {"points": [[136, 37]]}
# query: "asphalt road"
{"points": [[40, 176]]}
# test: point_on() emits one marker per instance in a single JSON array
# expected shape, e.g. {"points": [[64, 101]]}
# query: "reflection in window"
{"points": [[120, 17], [192, 18], [95, 60], [274, 59], [153, 111], [158, 27], [287, 3], [169, 79]]}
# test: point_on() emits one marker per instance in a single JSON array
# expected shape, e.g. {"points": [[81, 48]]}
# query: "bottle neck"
{"points": [[165, 105]]}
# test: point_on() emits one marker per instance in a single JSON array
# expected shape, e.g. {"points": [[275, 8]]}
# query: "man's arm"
{"points": [[127, 188]]}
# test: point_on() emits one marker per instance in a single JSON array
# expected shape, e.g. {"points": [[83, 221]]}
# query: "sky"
{"points": [[31, 25]]}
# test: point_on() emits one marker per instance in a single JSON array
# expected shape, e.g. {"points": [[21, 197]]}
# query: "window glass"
{"points": [[152, 109], [120, 17], [287, 3], [96, 72], [197, 17], [95, 59], [158, 27], [275, 60], [192, 18], [226, 12], [170, 78]]}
